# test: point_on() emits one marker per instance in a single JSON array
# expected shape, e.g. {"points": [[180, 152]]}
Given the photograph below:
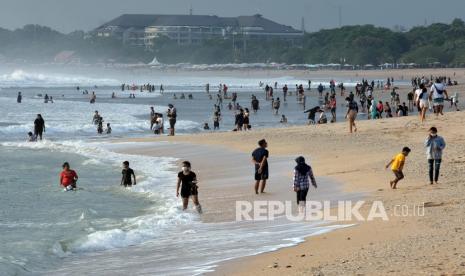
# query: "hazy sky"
{"points": [[69, 15]]}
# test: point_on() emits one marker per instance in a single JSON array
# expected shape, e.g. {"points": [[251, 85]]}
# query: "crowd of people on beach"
{"points": [[425, 95]]}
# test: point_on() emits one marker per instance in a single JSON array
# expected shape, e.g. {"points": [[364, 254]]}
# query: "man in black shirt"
{"points": [[189, 187], [127, 172], [260, 159]]}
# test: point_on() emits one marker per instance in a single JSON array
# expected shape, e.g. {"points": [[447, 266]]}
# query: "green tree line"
{"points": [[355, 45]]}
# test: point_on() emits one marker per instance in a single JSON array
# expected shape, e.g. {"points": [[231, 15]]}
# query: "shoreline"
{"points": [[366, 152]]}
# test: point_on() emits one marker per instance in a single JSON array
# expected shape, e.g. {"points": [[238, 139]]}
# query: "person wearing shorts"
{"points": [[421, 100], [438, 94], [187, 187], [260, 160], [397, 166], [302, 174]]}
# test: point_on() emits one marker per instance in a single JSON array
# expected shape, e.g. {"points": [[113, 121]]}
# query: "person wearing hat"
{"points": [[302, 174], [171, 118]]}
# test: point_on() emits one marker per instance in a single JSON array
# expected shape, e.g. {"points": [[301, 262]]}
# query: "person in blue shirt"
{"points": [[435, 145]]}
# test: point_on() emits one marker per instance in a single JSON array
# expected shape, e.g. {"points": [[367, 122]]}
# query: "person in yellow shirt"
{"points": [[397, 165]]}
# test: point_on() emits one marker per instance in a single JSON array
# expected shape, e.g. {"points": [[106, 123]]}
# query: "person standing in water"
{"points": [[19, 98], [260, 160], [435, 145], [351, 114], [39, 126], [302, 174], [127, 175], [187, 183], [172, 114], [68, 178]]}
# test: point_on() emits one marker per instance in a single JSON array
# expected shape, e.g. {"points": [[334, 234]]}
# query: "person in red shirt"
{"points": [[68, 178]]}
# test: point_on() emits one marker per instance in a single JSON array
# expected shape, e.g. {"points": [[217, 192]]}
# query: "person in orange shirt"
{"points": [[68, 178], [397, 165]]}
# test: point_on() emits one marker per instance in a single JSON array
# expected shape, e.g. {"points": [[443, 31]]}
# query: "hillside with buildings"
{"points": [[202, 39]]}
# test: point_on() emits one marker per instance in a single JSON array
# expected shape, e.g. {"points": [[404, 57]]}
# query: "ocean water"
{"points": [[103, 229]]}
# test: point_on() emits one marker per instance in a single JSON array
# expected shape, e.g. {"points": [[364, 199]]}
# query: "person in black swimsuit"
{"points": [[127, 173], [39, 126], [187, 183]]}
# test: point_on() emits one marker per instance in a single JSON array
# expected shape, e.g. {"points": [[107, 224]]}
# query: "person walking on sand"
{"points": [[437, 94], [397, 166], [351, 114], [435, 145], [260, 160], [39, 126], [421, 100], [302, 174], [127, 175], [68, 178], [187, 183]]}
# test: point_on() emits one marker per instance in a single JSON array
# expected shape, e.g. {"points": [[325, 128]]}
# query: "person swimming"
{"points": [[68, 178]]}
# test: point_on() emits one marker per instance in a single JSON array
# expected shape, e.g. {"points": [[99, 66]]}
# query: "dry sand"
{"points": [[433, 244]]}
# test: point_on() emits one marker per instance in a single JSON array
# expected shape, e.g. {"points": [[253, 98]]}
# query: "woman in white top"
{"points": [[421, 99]]}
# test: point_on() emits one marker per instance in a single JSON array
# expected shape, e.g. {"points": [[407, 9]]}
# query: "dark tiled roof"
{"points": [[143, 20], [267, 25]]}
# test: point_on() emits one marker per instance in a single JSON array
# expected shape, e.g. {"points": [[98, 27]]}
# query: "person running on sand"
{"points": [[68, 178], [39, 126], [127, 173], [434, 147], [187, 183], [397, 166], [302, 174], [260, 160], [352, 110]]}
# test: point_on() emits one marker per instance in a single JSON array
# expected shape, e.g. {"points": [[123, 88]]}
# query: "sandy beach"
{"points": [[429, 244]]}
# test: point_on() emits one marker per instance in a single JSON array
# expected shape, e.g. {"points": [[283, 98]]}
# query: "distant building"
{"points": [[143, 29]]}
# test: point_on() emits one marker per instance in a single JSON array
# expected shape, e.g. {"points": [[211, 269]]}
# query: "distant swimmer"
{"points": [[96, 117], [68, 178], [127, 175], [187, 183], [93, 97], [19, 98], [39, 126], [46, 98], [260, 160], [108, 131], [31, 137]]}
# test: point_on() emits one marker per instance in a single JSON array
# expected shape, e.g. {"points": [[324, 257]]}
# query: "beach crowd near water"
{"points": [[427, 94]]}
